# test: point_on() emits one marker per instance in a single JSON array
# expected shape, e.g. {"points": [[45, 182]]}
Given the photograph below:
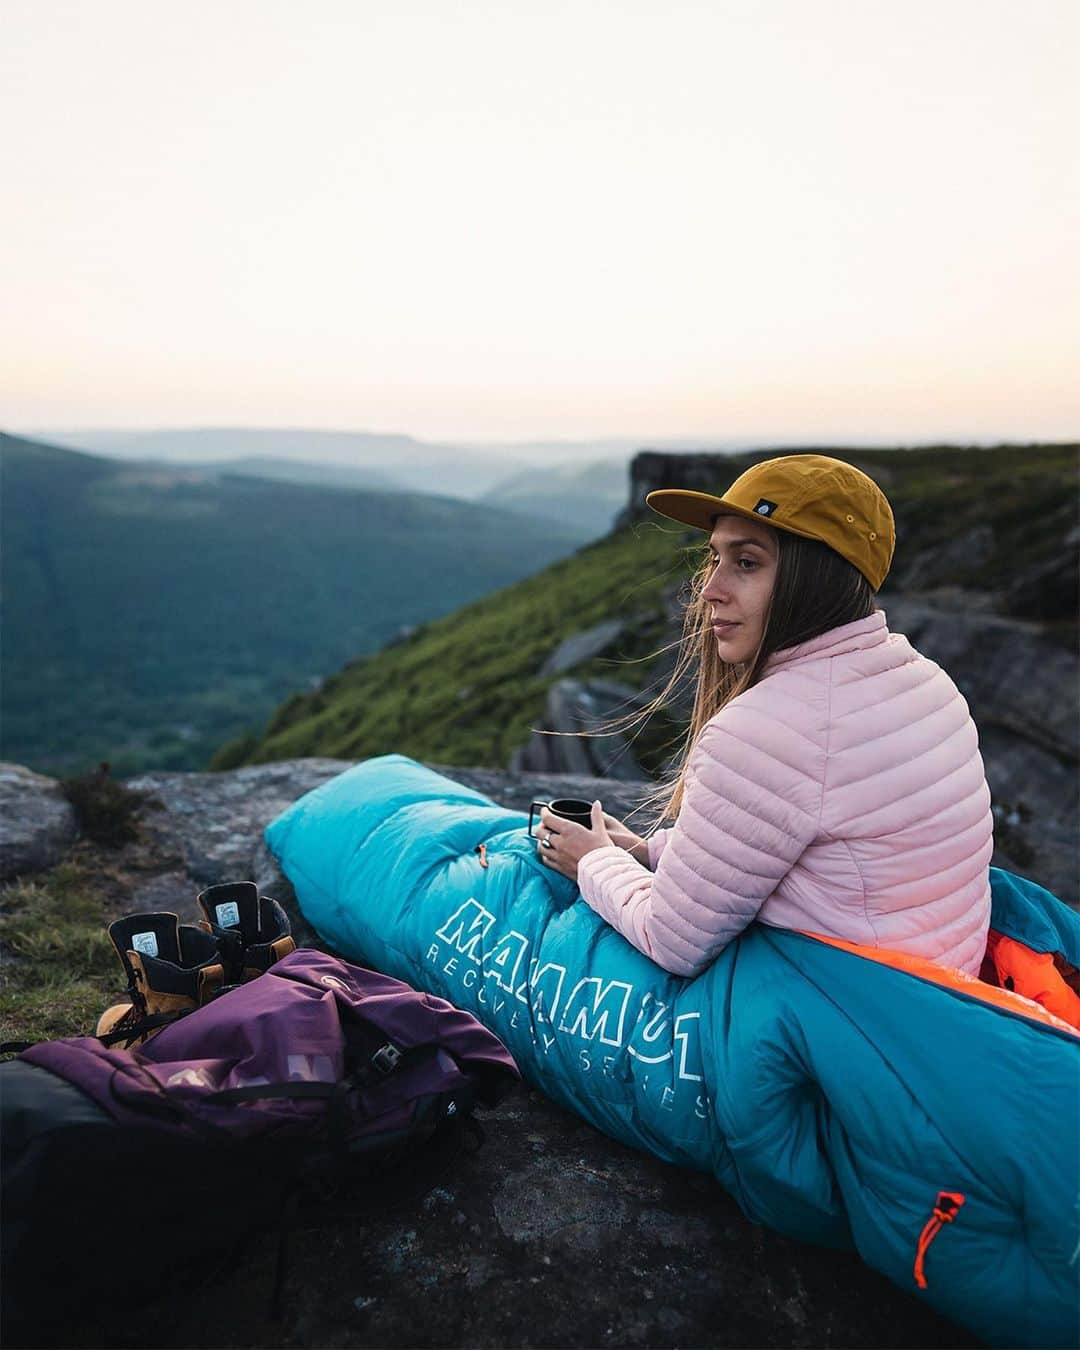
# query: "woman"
{"points": [[831, 779]]}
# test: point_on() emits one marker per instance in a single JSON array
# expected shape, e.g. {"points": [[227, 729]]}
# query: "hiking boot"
{"points": [[252, 930], [171, 969]]}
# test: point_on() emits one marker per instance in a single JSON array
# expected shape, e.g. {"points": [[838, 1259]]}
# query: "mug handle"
{"points": [[535, 806]]}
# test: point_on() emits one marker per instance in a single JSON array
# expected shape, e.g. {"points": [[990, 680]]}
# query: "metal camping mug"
{"points": [[570, 808]]}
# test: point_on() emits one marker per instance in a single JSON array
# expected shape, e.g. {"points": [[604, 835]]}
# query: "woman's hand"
{"points": [[563, 843], [624, 837]]}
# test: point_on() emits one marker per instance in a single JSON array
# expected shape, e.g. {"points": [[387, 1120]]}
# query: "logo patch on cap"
{"points": [[765, 507]]}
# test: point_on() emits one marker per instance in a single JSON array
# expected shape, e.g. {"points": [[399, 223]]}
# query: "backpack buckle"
{"points": [[386, 1058]]}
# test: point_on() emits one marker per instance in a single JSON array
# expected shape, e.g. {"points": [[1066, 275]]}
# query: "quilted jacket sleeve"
{"points": [[657, 844], [752, 804]]}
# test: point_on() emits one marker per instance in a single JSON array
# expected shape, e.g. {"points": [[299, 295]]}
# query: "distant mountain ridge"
{"points": [[365, 478], [588, 496], [450, 469], [566, 482], [416, 467], [152, 611], [459, 469]]}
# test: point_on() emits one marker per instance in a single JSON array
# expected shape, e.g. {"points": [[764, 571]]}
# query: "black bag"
{"points": [[125, 1171]]}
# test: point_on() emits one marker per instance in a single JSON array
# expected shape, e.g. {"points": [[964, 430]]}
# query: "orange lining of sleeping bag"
{"points": [[1036, 975], [1038, 990]]}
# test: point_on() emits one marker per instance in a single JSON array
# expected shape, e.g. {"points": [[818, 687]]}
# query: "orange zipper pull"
{"points": [[482, 850], [945, 1210]]}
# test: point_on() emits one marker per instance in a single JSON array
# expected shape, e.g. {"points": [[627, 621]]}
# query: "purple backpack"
{"points": [[314, 1077], [312, 1045]]}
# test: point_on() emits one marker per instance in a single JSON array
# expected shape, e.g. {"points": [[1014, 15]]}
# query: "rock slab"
{"points": [[37, 822]]}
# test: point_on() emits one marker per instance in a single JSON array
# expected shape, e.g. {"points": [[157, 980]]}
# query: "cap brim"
{"points": [[694, 508]]}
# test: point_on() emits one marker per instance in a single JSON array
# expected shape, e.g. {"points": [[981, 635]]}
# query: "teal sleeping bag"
{"points": [[841, 1101]]}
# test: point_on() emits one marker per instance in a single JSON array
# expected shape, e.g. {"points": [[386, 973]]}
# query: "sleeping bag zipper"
{"points": [[945, 1209]]}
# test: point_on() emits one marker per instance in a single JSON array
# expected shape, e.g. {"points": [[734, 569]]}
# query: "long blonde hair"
{"points": [[815, 590]]}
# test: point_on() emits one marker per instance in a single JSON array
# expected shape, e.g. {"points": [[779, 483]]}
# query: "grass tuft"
{"points": [[107, 811], [59, 967]]}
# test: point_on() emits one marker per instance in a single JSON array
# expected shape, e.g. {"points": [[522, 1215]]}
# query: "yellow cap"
{"points": [[813, 496]]}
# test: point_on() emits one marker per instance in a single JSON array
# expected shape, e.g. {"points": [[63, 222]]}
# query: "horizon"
{"points": [[681, 442], [615, 446], [759, 222]]}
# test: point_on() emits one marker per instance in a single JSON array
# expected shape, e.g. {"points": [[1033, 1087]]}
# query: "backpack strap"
{"points": [[387, 1059], [259, 1092], [133, 1030]]}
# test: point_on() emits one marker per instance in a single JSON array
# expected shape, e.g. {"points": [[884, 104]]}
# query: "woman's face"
{"points": [[739, 588]]}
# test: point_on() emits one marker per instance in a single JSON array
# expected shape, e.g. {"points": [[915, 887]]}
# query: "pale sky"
{"points": [[778, 220]]}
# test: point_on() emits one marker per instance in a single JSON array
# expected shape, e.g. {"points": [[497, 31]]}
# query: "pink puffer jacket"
{"points": [[844, 794]]}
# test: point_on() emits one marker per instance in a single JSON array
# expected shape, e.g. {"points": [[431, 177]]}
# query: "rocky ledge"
{"points": [[550, 1235]]}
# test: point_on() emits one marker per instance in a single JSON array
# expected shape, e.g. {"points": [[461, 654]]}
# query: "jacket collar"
{"points": [[849, 637]]}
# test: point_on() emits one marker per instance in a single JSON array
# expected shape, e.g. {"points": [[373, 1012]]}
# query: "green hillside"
{"points": [[150, 613], [464, 689]]}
